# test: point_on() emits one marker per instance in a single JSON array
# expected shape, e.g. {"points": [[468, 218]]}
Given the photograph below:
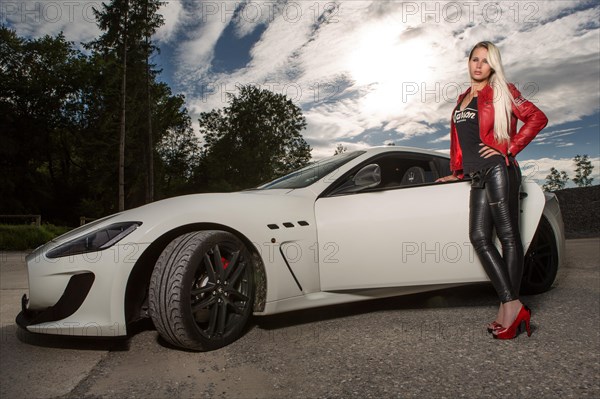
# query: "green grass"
{"points": [[26, 237]]}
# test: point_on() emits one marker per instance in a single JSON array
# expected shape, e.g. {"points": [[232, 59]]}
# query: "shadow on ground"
{"points": [[481, 294], [66, 341]]}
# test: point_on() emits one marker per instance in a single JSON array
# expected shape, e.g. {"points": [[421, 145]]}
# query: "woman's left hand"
{"points": [[486, 152]]}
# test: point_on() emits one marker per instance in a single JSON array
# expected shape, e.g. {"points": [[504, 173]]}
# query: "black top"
{"points": [[467, 127]]}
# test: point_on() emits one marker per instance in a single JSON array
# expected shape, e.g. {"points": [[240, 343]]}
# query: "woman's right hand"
{"points": [[446, 179]]}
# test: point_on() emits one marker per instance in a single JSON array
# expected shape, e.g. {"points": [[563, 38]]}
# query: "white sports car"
{"points": [[355, 226]]}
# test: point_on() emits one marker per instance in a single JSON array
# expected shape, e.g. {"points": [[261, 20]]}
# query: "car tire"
{"points": [[541, 261], [202, 290]]}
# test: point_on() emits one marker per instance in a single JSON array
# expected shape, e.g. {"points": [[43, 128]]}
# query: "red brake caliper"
{"points": [[225, 263]]}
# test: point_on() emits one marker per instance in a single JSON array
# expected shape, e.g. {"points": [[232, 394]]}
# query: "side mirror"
{"points": [[367, 177]]}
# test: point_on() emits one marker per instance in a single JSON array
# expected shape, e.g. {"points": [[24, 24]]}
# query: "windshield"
{"points": [[308, 175]]}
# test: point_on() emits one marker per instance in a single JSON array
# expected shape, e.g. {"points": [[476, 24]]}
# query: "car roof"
{"points": [[394, 148]]}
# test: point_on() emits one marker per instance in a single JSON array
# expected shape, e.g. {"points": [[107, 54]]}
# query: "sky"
{"points": [[368, 73]]}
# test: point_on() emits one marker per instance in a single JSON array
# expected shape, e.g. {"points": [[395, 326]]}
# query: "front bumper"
{"points": [[77, 290]]}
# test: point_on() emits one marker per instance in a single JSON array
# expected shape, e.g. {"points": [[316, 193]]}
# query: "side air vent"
{"points": [[274, 226]]}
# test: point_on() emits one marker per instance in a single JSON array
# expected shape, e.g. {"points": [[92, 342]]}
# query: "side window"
{"points": [[398, 170], [402, 169], [443, 166]]}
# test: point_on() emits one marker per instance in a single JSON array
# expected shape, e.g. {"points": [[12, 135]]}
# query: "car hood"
{"points": [[214, 205], [246, 211]]}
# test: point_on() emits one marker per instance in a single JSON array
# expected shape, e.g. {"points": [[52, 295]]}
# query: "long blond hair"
{"points": [[503, 99]]}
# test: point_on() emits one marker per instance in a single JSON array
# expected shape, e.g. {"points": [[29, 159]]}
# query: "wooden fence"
{"points": [[33, 219], [37, 219]]}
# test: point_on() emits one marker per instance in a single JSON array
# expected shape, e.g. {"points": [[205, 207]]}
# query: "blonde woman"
{"points": [[484, 142]]}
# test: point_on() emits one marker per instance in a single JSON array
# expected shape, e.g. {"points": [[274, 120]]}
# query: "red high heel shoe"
{"points": [[523, 320]]}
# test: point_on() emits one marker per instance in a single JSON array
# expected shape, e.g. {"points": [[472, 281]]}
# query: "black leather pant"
{"points": [[494, 202]]}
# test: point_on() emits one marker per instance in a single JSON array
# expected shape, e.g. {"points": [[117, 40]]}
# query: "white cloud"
{"points": [[442, 139], [327, 151], [173, 13], [203, 23], [556, 53], [252, 14], [34, 18], [555, 137], [326, 122]]}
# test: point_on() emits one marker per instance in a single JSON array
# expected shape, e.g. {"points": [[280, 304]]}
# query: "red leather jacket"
{"points": [[534, 121]]}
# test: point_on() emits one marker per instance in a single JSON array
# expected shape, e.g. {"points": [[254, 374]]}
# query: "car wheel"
{"points": [[202, 291], [541, 261]]}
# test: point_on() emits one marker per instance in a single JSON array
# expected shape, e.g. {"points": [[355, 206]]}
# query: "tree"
{"points": [[60, 126], [179, 151], [41, 86], [256, 138], [555, 180], [583, 171], [128, 26], [340, 149]]}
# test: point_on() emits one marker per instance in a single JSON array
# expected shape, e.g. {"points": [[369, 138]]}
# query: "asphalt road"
{"points": [[425, 345]]}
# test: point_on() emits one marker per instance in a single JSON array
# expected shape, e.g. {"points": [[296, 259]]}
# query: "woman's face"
{"points": [[479, 69]]}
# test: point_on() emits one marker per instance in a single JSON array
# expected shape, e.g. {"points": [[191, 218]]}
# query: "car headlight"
{"points": [[96, 240]]}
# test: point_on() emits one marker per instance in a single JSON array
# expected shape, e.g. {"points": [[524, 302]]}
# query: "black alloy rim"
{"points": [[219, 294]]}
